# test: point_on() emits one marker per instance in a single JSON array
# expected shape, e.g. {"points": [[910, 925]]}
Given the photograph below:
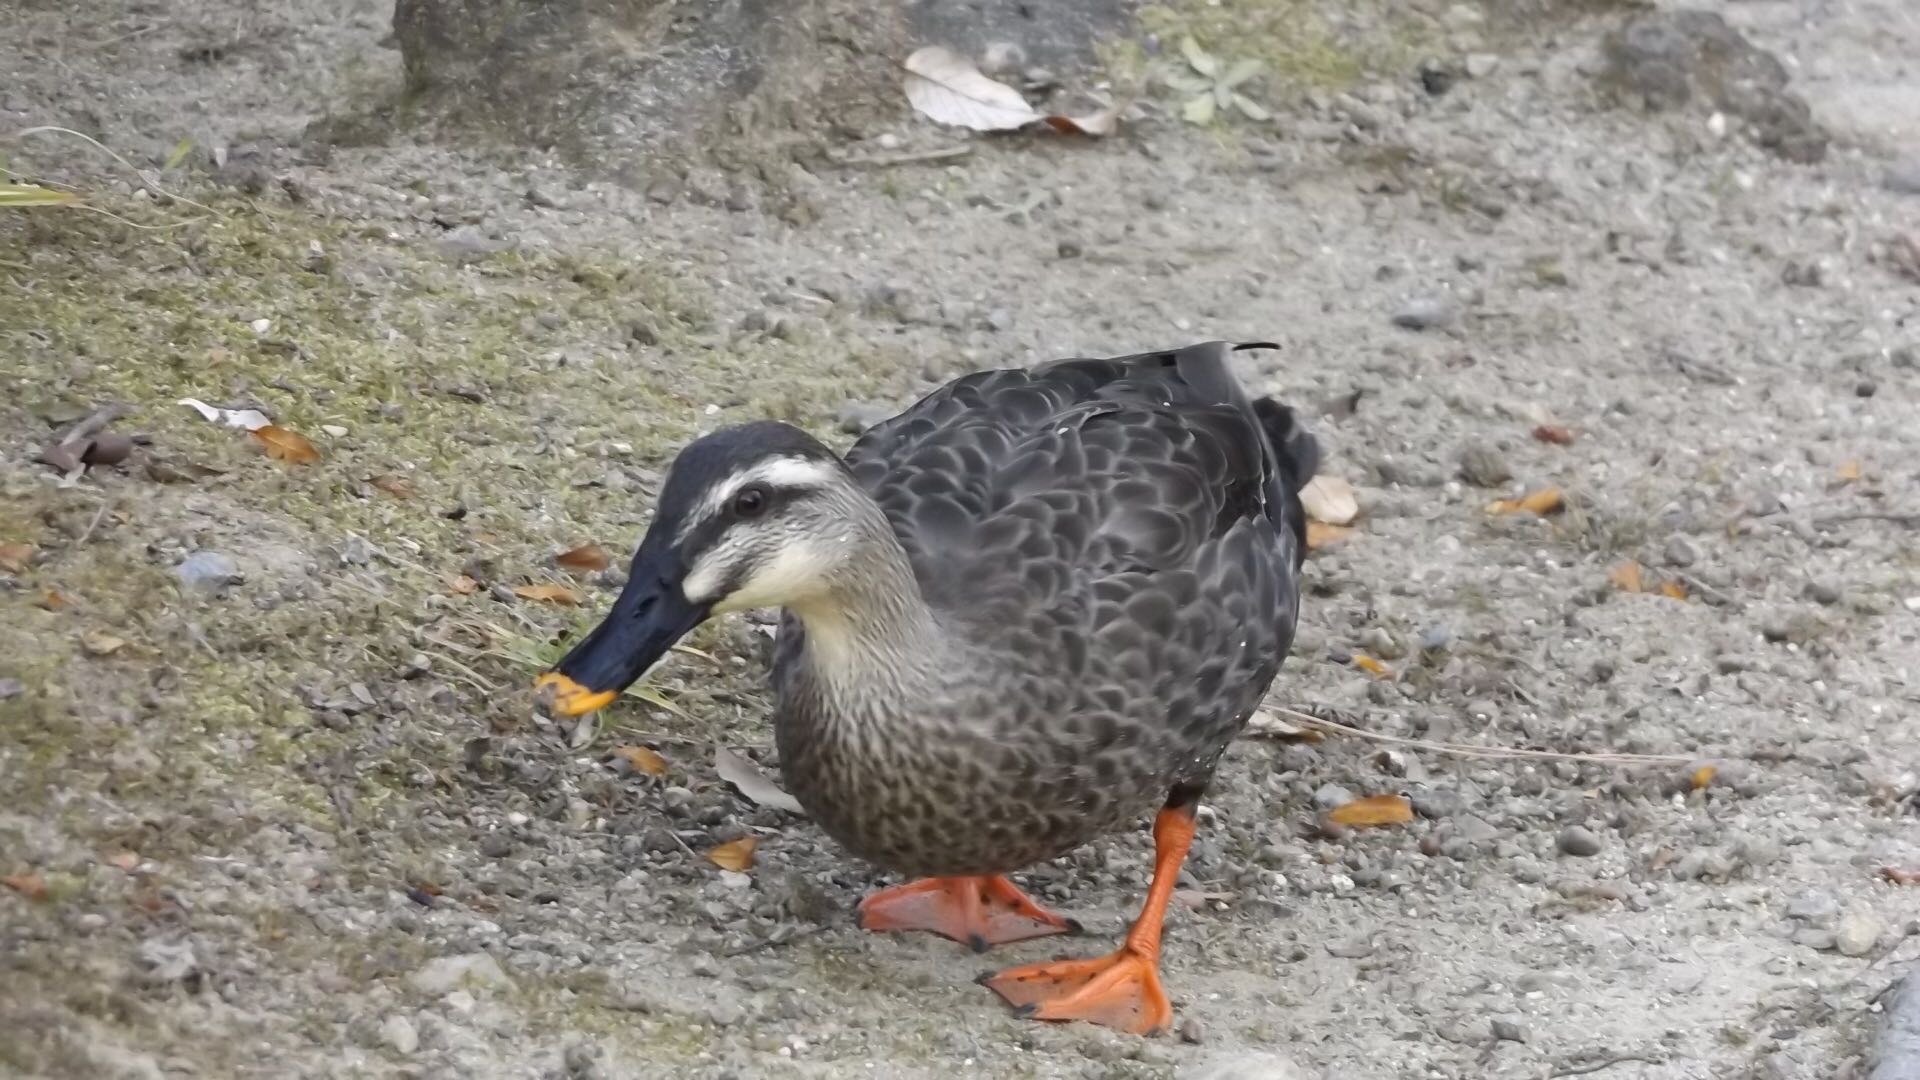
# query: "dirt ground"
{"points": [[272, 795]]}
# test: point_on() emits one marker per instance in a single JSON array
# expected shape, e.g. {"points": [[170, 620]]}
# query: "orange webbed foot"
{"points": [[978, 912], [1121, 990]]}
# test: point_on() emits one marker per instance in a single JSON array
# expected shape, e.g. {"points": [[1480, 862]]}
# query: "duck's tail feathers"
{"points": [[1295, 447]]}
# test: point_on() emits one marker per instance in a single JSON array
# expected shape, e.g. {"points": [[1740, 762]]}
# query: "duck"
{"points": [[1026, 612]]}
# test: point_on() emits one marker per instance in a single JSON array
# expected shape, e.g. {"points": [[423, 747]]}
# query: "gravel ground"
{"points": [[279, 805]]}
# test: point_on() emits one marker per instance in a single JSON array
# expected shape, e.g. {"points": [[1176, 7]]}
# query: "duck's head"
{"points": [[751, 516]]}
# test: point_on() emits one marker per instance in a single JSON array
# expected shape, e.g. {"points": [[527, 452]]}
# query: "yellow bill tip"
{"points": [[560, 696]]}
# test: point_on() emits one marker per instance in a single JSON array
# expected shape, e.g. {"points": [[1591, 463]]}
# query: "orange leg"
{"points": [[975, 911], [1120, 990]]}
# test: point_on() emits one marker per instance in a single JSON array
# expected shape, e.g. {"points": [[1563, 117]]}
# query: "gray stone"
{"points": [[1857, 934], [1680, 552], [1813, 906], [398, 1032], [1577, 841], [1484, 466], [207, 571], [1330, 796], [1425, 313], [1508, 1031]]}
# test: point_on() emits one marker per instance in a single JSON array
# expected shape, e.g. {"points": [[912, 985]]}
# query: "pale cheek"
{"points": [[700, 585], [791, 576]]}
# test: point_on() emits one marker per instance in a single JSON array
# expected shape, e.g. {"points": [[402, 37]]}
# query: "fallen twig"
{"points": [[916, 157], [1606, 1063], [1484, 751]]}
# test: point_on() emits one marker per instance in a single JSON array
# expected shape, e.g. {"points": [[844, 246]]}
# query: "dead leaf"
{"points": [[1627, 577], [1372, 667], [462, 585], [586, 558], [53, 600], [552, 594], [1702, 776], [1094, 125], [15, 558], [100, 643], [288, 446], [642, 759], [1673, 590], [123, 860], [1899, 876], [1850, 471], [1322, 535], [734, 854], [1373, 810], [947, 88], [397, 486], [1542, 502], [1555, 434], [31, 886], [746, 776], [1329, 500], [245, 419]]}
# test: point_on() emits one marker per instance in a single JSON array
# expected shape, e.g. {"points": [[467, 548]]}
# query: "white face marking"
{"points": [[780, 472]]}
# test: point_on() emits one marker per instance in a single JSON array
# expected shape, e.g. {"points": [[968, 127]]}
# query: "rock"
{"points": [[1813, 906], [1813, 937], [1425, 313], [496, 845], [1680, 552], [208, 571], [1857, 934], [1330, 796], [1823, 591], [1481, 65], [447, 973], [1484, 466], [1906, 357], [1903, 177], [1578, 842], [1508, 1031], [168, 961], [1689, 58], [398, 1032], [1437, 802]]}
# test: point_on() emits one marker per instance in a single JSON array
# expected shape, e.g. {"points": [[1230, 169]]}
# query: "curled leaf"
{"points": [[245, 419], [462, 585], [15, 558], [1095, 125], [1267, 725], [397, 486], [1702, 776], [1849, 471], [1901, 875], [1543, 502], [1627, 577], [288, 446], [99, 643], [123, 860], [1372, 667], [947, 88], [1330, 500], [1322, 535], [642, 759], [743, 774], [53, 600], [31, 886], [1555, 434], [1373, 810], [734, 854], [1673, 590], [587, 558], [549, 593]]}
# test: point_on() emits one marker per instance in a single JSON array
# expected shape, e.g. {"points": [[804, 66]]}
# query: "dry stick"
{"points": [[1483, 751], [1618, 1059], [918, 157]]}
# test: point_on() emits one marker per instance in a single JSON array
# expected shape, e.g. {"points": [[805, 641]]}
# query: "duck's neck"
{"points": [[870, 631]]}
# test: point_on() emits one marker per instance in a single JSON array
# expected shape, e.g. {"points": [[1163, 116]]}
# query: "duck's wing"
{"points": [[1011, 488]]}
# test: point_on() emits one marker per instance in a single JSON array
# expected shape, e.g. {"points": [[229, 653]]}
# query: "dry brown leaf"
{"points": [[743, 774], [1702, 776], [642, 759], [1095, 125], [1372, 667], [462, 585], [1850, 471], [100, 643], [284, 445], [53, 600], [1330, 500], [1627, 577], [396, 486], [1373, 810], [587, 558], [31, 886], [1268, 725], [734, 854], [1901, 875], [1555, 434], [947, 88], [1673, 590], [552, 594], [123, 860], [1542, 502], [1322, 535], [15, 558]]}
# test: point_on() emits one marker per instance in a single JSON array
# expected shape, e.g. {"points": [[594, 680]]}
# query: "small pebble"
{"points": [[1823, 591], [1330, 796], [1424, 313], [1857, 934], [1680, 552], [1484, 466], [1508, 1031], [496, 845], [398, 1032], [1578, 841]]}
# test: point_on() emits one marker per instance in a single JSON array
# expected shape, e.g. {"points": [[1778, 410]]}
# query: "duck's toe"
{"points": [[1121, 990], [978, 912]]}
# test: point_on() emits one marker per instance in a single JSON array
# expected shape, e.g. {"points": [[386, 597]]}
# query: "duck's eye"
{"points": [[750, 501]]}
